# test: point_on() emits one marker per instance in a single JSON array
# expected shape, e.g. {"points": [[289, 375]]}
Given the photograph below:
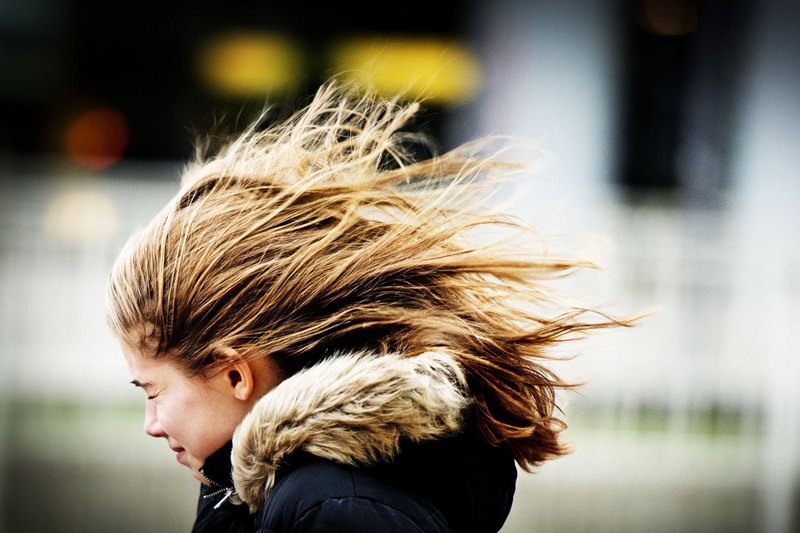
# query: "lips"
{"points": [[179, 453]]}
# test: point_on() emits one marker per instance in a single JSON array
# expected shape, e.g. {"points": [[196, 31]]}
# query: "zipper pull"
{"points": [[228, 493]]}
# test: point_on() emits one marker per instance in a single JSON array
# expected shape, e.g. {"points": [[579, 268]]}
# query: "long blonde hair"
{"points": [[322, 234]]}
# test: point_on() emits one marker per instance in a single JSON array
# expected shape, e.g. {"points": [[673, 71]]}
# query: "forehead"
{"points": [[144, 367]]}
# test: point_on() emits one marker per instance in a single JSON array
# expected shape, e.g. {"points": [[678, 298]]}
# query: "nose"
{"points": [[151, 425]]}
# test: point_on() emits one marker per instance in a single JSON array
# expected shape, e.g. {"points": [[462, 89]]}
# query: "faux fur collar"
{"points": [[352, 409]]}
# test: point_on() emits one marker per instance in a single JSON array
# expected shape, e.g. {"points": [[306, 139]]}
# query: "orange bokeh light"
{"points": [[97, 138]]}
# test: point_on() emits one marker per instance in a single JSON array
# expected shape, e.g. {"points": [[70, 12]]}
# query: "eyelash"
{"points": [[152, 397]]}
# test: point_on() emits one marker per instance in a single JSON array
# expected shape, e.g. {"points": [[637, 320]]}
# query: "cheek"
{"points": [[169, 422], [198, 426], [176, 415]]}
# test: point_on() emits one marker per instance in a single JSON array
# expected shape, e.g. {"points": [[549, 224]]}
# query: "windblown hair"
{"points": [[323, 235]]}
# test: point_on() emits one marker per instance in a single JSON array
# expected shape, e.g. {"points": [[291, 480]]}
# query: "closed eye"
{"points": [[144, 387]]}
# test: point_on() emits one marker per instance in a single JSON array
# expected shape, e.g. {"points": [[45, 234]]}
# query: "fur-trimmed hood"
{"points": [[351, 409]]}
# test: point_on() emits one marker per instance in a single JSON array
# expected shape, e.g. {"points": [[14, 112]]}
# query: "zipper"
{"points": [[222, 488], [227, 495]]}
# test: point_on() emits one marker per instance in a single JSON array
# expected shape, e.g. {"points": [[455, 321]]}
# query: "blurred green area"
{"points": [[71, 467]]}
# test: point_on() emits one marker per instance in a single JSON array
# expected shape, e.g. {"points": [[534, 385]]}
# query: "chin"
{"points": [[193, 464]]}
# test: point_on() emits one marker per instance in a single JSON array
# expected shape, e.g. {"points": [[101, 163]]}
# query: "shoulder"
{"points": [[320, 495]]}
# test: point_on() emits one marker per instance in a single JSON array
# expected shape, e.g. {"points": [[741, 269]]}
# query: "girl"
{"points": [[322, 345]]}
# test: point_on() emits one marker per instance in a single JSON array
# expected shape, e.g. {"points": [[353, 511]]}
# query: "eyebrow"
{"points": [[139, 383]]}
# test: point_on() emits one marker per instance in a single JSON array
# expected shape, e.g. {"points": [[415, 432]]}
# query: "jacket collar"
{"points": [[217, 469], [351, 409]]}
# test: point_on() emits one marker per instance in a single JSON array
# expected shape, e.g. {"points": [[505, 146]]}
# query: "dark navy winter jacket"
{"points": [[361, 443], [456, 484]]}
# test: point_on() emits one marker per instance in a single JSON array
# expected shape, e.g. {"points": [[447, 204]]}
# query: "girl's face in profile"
{"points": [[196, 415]]}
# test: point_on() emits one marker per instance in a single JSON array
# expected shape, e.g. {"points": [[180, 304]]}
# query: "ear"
{"points": [[237, 375], [240, 379]]}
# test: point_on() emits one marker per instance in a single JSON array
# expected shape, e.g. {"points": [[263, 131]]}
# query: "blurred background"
{"points": [[669, 131]]}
